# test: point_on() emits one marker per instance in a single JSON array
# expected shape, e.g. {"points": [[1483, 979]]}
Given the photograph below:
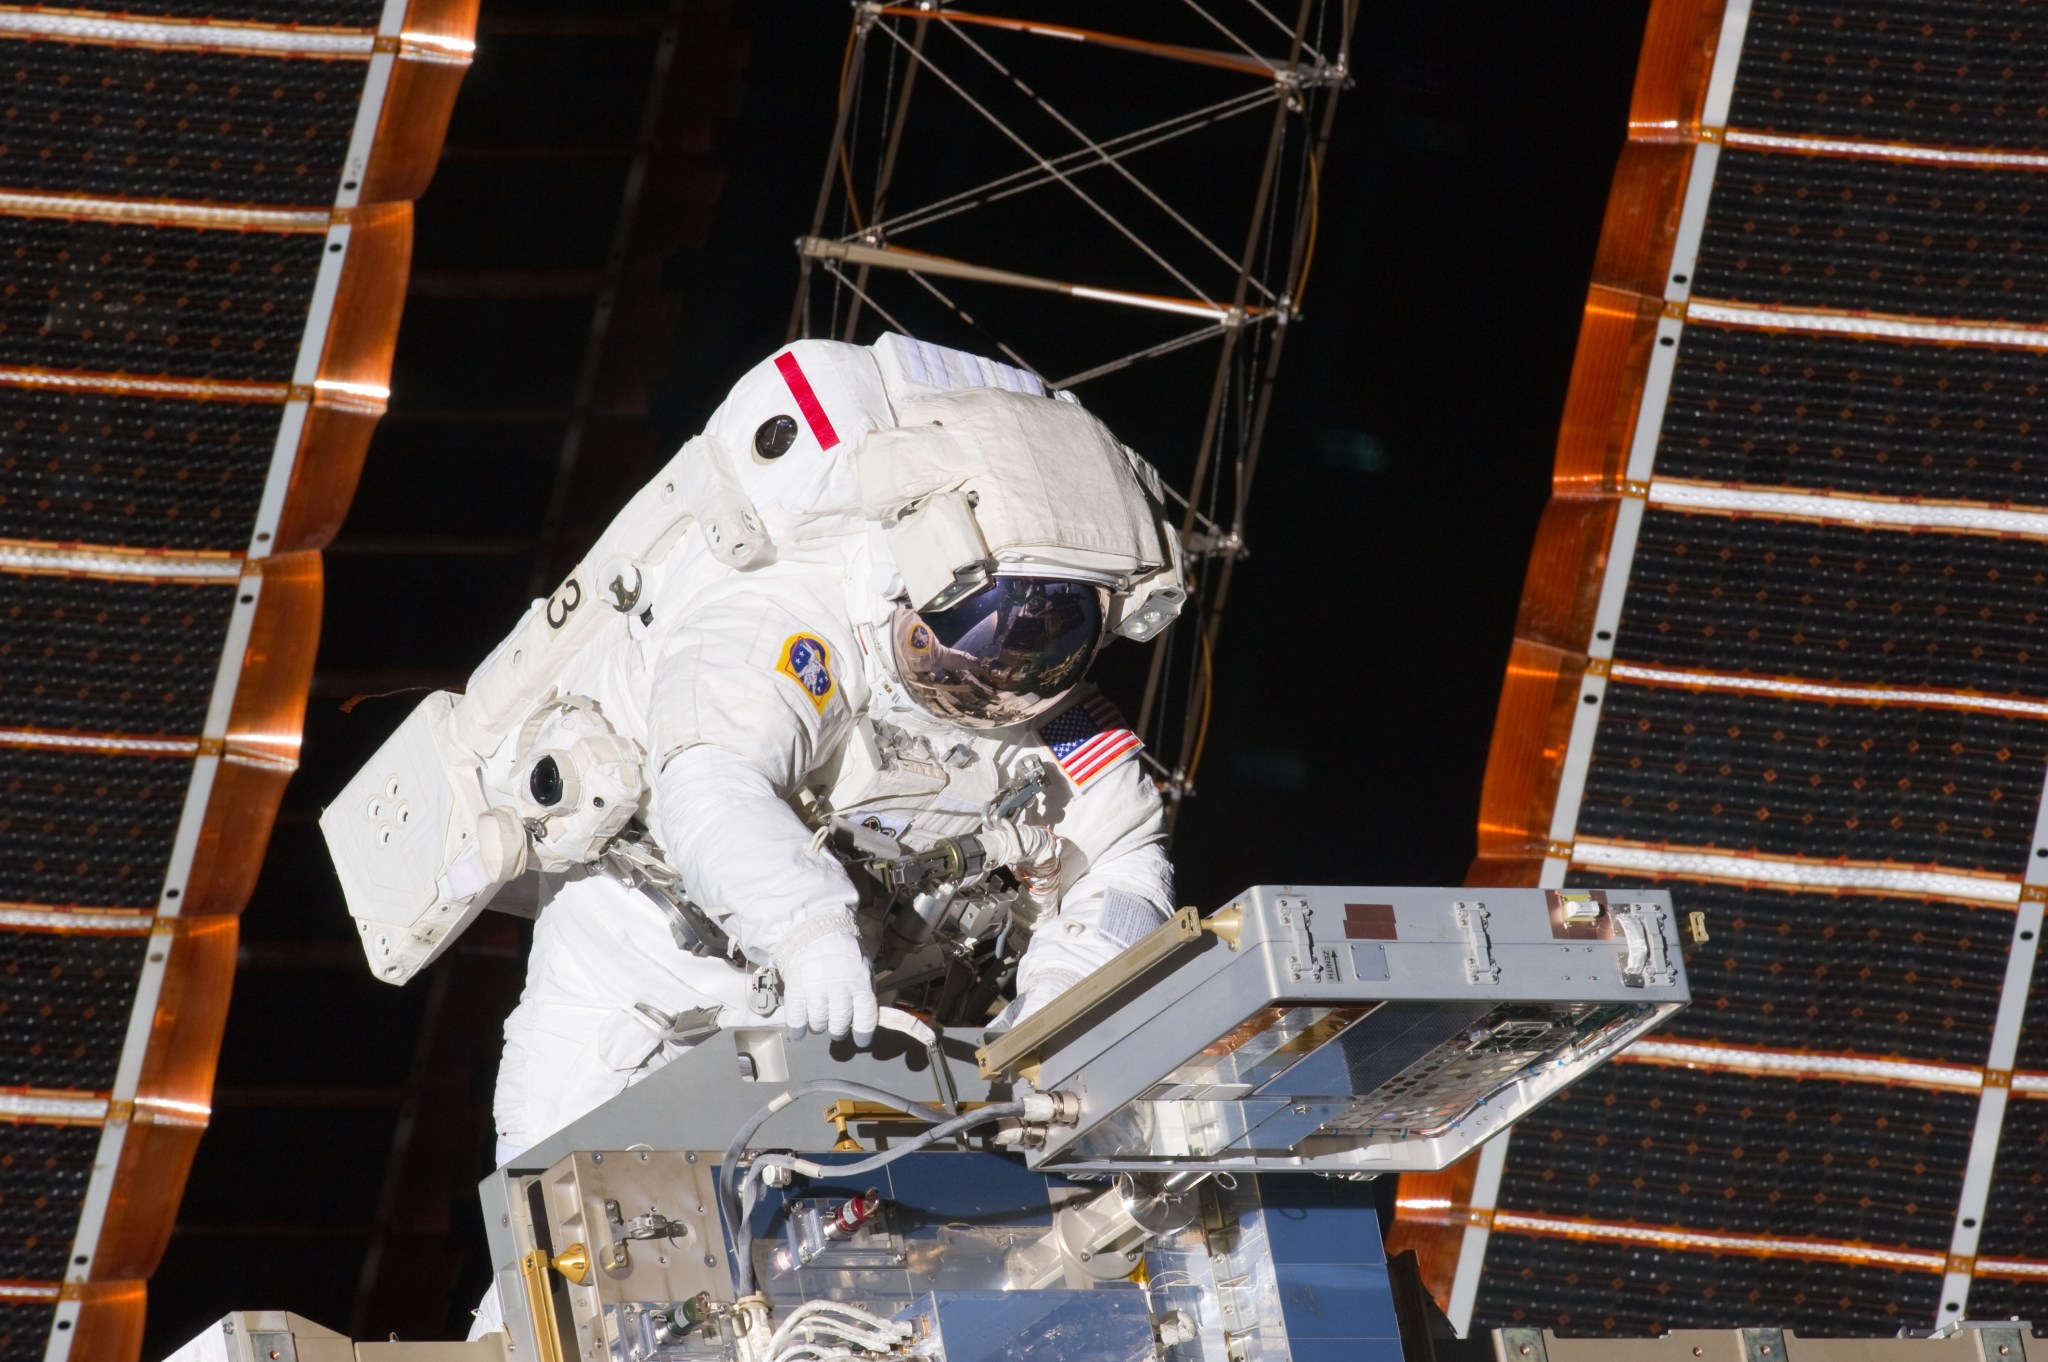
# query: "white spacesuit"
{"points": [[870, 653]]}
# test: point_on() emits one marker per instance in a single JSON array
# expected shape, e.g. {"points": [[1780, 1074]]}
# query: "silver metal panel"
{"points": [[1367, 998], [1036, 1326]]}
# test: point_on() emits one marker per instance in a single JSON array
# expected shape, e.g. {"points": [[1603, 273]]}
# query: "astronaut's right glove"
{"points": [[826, 984]]}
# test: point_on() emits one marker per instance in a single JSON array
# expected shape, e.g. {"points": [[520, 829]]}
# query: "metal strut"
{"points": [[885, 272]]}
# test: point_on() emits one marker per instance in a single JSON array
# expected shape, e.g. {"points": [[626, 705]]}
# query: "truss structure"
{"points": [[1132, 216]]}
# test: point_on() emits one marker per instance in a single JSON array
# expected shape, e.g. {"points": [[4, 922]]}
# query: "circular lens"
{"points": [[546, 783], [776, 437], [1004, 654]]}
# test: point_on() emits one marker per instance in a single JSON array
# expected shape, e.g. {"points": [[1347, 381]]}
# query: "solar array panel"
{"points": [[1784, 652], [205, 227]]}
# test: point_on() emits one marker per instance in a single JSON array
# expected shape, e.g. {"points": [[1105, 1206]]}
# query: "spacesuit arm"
{"points": [[1118, 883], [746, 701]]}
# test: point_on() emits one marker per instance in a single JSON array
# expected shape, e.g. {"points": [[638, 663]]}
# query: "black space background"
{"points": [[1359, 665]]}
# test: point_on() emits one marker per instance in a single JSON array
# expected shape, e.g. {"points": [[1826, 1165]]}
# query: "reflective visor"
{"points": [[1003, 655]]}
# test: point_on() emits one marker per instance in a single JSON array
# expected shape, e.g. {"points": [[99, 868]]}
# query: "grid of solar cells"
{"points": [[1861, 416], [156, 123], [1664, 1146], [1790, 777], [1837, 603], [2033, 1048], [64, 1003], [43, 1172], [305, 13], [1996, 1297], [1897, 977], [25, 1329], [1927, 71], [87, 829], [1589, 1288], [119, 302], [93, 468], [99, 656], [140, 299], [1883, 236], [1885, 231]]}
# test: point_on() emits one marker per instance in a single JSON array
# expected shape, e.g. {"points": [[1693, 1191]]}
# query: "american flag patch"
{"points": [[1088, 737]]}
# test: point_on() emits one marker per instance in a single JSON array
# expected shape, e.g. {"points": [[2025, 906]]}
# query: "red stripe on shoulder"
{"points": [[806, 400]]}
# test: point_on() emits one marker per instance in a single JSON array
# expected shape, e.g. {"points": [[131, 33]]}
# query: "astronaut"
{"points": [[815, 703]]}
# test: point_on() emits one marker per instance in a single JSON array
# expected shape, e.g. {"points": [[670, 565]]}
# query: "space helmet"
{"points": [[1003, 654], [1023, 535]]}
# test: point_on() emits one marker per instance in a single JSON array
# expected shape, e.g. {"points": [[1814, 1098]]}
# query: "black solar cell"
{"points": [[135, 299], [1883, 236], [1579, 1287], [303, 13], [1837, 603], [2016, 1215], [86, 829], [1791, 777], [1738, 1154], [43, 1172], [81, 467], [1995, 1297], [100, 656], [1833, 603], [1940, 72], [187, 124], [64, 1004], [1905, 977], [2033, 1049], [25, 1330], [1867, 417]]}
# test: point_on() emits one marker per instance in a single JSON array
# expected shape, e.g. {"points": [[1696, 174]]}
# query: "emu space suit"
{"points": [[766, 701]]}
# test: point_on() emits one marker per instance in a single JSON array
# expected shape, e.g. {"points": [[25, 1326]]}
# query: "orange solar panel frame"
{"points": [[1540, 694]]}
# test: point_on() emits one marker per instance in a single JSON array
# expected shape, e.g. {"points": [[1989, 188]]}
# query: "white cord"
{"points": [[813, 1330], [814, 1350], [878, 1335], [855, 1312], [808, 1328]]}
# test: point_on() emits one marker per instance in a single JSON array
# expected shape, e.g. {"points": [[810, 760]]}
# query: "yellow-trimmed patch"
{"points": [[807, 661]]}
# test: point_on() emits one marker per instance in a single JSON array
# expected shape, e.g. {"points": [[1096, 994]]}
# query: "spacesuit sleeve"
{"points": [[746, 700], [1118, 884]]}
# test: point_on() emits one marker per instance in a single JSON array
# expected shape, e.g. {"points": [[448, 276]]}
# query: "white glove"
{"points": [[826, 985]]}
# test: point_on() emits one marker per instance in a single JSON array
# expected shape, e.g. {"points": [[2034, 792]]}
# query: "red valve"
{"points": [[856, 1211]]}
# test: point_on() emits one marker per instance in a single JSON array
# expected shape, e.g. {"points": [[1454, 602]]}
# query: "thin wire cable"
{"points": [[1308, 254], [979, 329], [1149, 352], [845, 163], [1227, 32], [1282, 25], [1208, 698], [1114, 163], [1047, 166], [1006, 186], [728, 1168], [743, 1234], [831, 267]]}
